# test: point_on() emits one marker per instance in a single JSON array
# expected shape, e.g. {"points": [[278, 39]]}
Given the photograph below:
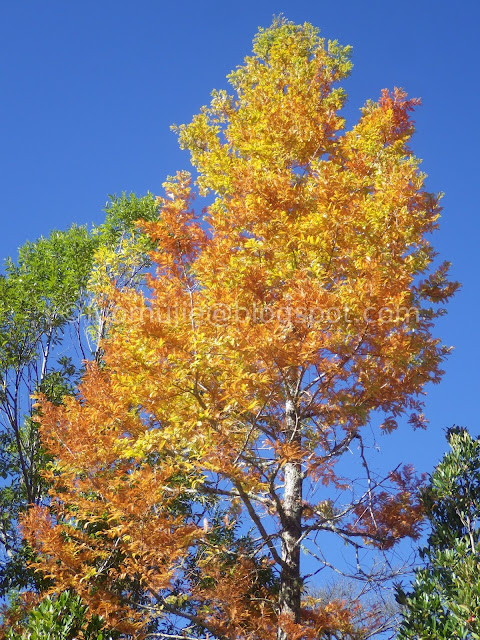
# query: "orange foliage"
{"points": [[277, 322], [386, 517]]}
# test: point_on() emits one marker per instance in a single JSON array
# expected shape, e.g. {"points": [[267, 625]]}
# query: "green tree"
{"points": [[445, 598], [49, 324], [40, 296], [60, 618]]}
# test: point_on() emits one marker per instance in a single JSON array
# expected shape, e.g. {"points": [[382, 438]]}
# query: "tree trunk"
{"points": [[290, 581]]}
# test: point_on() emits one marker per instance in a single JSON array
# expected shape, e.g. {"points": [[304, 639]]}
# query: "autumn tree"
{"points": [[203, 456], [444, 601]]}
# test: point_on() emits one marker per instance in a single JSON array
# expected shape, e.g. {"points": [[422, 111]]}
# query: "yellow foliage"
{"points": [[277, 321]]}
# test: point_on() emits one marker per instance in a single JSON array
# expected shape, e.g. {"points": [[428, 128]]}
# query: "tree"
{"points": [[59, 618], [278, 323], [445, 599], [380, 606], [49, 325], [40, 297]]}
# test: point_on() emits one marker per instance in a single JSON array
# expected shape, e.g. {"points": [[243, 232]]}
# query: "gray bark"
{"points": [[290, 579]]}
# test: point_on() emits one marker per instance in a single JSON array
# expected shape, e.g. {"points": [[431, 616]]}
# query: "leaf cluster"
{"points": [[445, 599]]}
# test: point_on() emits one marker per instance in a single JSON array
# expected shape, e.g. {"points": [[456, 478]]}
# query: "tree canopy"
{"points": [[49, 324], [203, 453], [445, 599]]}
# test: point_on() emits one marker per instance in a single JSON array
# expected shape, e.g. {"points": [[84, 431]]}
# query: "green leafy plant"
{"points": [[444, 601], [56, 618]]}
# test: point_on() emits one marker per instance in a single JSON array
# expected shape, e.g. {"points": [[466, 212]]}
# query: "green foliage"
{"points": [[41, 294], [123, 251], [122, 213], [57, 618], [445, 598], [48, 317]]}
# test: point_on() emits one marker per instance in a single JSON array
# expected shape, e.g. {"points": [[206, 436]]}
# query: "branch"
{"points": [[173, 636], [188, 616], [254, 516]]}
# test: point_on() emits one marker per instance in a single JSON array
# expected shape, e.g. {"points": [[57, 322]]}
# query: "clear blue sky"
{"points": [[90, 88]]}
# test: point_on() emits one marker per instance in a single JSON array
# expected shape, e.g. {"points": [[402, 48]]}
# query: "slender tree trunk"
{"points": [[290, 580]]}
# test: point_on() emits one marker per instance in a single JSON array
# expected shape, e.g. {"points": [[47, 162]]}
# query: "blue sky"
{"points": [[90, 89]]}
